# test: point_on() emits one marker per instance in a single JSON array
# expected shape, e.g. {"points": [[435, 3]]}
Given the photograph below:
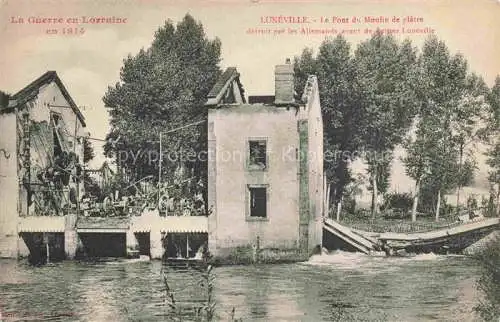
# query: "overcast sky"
{"points": [[88, 63]]}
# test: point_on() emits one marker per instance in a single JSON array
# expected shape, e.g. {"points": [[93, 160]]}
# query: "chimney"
{"points": [[4, 100], [284, 85]]}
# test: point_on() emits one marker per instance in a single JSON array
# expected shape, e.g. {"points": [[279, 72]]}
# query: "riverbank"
{"points": [[396, 225], [249, 255]]}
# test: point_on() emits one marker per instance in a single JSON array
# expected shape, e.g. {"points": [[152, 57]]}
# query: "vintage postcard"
{"points": [[253, 160]]}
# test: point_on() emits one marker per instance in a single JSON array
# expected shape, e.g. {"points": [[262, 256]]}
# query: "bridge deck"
{"points": [[465, 228], [347, 235]]}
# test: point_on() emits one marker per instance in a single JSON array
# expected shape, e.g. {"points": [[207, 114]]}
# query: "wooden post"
{"points": [[438, 206], [257, 250], [47, 249], [27, 156], [460, 161], [159, 175], [324, 196], [187, 245], [374, 193], [328, 187], [76, 174], [339, 208]]}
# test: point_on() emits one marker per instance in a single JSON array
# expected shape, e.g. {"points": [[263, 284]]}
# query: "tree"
{"points": [[303, 66], [494, 174], [493, 138], [433, 162], [451, 103], [366, 104], [341, 115], [89, 184], [443, 170], [161, 88], [88, 151], [418, 157], [466, 126], [384, 74]]}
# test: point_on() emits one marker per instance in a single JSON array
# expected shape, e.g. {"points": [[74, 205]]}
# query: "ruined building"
{"points": [[40, 161], [265, 179], [265, 167]]}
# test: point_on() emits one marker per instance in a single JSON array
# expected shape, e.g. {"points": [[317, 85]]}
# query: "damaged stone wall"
{"points": [[49, 171], [8, 186]]}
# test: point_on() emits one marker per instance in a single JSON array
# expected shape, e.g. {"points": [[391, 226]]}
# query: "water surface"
{"points": [[338, 287]]}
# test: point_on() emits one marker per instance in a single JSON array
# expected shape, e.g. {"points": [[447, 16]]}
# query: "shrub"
{"points": [[204, 313], [349, 205], [488, 206], [397, 201], [489, 282]]}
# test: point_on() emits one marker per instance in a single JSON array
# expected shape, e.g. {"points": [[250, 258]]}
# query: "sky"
{"points": [[90, 62]]}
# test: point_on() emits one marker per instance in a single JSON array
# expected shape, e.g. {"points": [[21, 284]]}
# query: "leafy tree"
{"points": [[419, 157], [450, 111], [162, 88], [382, 171], [90, 185], [442, 176], [430, 161], [341, 115], [466, 127], [493, 153], [88, 151], [303, 66], [494, 174], [384, 74], [493, 99], [340, 112], [366, 104]]}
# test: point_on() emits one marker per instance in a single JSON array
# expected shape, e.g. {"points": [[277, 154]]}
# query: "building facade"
{"points": [[265, 167], [41, 141], [265, 178]]}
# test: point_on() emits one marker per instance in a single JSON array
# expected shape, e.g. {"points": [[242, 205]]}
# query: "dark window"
{"points": [[258, 202], [55, 120], [257, 154]]}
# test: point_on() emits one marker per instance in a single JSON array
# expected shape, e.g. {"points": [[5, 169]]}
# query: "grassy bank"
{"points": [[396, 222], [248, 255], [381, 225], [489, 281]]}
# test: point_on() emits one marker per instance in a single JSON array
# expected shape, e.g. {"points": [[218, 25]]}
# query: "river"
{"points": [[337, 287]]}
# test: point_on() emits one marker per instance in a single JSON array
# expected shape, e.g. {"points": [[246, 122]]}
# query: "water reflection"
{"points": [[327, 288], [99, 294]]}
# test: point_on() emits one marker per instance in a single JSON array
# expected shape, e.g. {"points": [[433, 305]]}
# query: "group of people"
{"points": [[182, 205], [183, 195]]}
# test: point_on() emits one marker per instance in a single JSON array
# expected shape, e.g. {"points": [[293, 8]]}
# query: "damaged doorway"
{"points": [[144, 243], [186, 245], [44, 247], [104, 244]]}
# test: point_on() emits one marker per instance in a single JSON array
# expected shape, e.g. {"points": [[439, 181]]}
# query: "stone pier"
{"points": [[212, 197], [481, 244], [132, 244], [70, 236], [156, 244]]}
